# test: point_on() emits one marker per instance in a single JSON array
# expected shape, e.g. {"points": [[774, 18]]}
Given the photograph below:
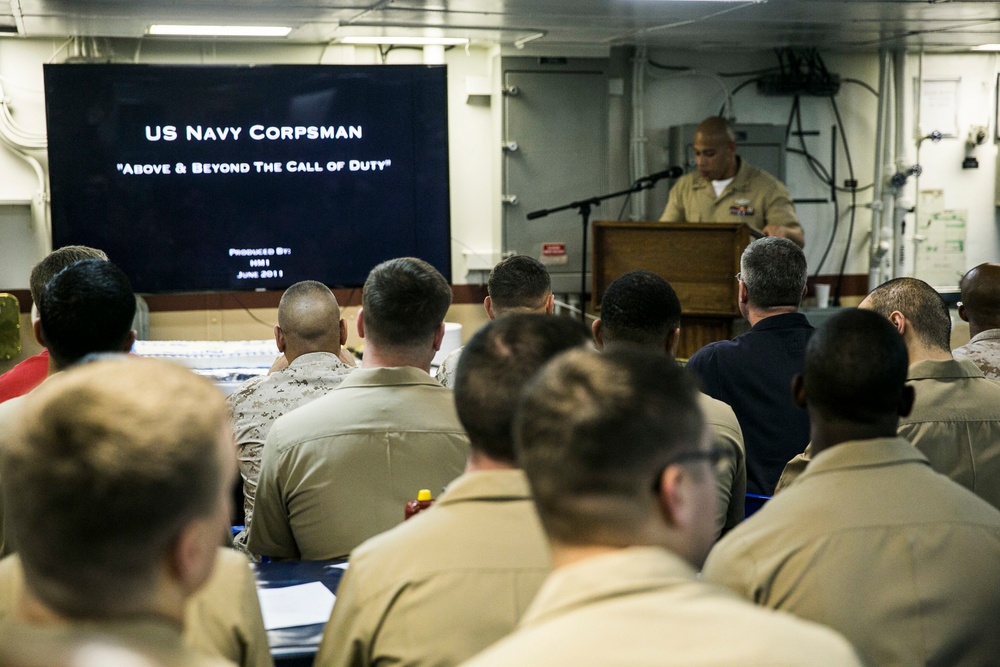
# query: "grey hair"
{"points": [[774, 271]]}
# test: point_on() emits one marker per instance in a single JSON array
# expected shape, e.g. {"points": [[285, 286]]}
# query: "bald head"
{"points": [[309, 320], [715, 149], [981, 298], [716, 127]]}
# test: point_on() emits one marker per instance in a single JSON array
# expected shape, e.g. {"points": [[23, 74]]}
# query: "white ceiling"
{"points": [[840, 25]]}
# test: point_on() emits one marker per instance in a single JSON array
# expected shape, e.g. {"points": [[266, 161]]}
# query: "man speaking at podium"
{"points": [[727, 189]]}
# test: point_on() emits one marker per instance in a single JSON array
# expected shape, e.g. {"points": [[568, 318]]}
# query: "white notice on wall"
{"points": [[938, 106], [940, 258]]}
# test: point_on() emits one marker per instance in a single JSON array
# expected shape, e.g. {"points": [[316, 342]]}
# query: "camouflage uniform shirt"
{"points": [[984, 351], [260, 401], [446, 371]]}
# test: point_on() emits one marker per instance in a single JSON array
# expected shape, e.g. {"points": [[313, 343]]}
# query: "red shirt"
{"points": [[24, 377]]}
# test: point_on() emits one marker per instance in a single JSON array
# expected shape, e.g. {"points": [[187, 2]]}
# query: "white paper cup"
{"points": [[822, 295]]}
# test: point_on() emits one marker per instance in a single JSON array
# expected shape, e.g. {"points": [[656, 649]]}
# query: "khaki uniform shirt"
{"points": [[873, 543], [955, 422], [134, 642], [444, 585], [643, 606], [9, 411], [731, 480], [755, 197], [221, 619], [341, 468], [259, 401], [984, 351]]}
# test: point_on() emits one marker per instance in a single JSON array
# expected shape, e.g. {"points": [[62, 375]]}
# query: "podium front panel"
{"points": [[700, 260]]}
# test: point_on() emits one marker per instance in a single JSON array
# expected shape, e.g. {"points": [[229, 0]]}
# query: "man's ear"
{"points": [[898, 320], [343, 331], [438, 337], [962, 313], [550, 304], [799, 390], [361, 323], [744, 293], [488, 305], [279, 339], [674, 505], [192, 554], [595, 328], [129, 341], [673, 342], [36, 328], [906, 403]]}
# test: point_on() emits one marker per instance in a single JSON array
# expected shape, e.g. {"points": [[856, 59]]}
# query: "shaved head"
{"points": [[855, 368], [919, 303], [309, 317], [981, 295], [716, 127], [715, 149]]}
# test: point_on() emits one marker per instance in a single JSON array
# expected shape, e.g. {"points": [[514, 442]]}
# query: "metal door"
{"points": [[555, 124]]}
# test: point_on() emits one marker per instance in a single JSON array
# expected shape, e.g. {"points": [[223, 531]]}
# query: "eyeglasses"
{"points": [[718, 456], [739, 276]]}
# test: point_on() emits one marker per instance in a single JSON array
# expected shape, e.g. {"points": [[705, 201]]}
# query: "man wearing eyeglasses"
{"points": [[617, 457], [870, 540], [753, 372]]}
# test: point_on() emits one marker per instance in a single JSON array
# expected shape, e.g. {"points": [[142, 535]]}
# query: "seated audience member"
{"points": [[518, 284], [870, 540], [222, 618], [85, 308], [310, 336], [955, 420], [340, 469], [980, 307], [24, 645], [753, 372], [448, 583], [29, 373], [641, 310], [116, 483], [617, 458]]}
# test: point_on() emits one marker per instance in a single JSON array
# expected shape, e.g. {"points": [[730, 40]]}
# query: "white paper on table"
{"points": [[292, 606]]}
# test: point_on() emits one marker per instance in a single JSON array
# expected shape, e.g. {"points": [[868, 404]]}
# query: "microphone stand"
{"points": [[584, 206]]}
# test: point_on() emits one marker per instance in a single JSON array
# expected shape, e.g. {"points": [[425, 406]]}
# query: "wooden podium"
{"points": [[699, 259]]}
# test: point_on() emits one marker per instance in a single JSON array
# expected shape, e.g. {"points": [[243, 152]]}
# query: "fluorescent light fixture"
{"points": [[406, 41], [987, 47], [220, 30]]}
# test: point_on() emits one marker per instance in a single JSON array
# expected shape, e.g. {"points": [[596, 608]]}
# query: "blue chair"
{"points": [[753, 503]]}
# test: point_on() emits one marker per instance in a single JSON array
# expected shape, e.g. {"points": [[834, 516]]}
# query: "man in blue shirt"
{"points": [[753, 372]]}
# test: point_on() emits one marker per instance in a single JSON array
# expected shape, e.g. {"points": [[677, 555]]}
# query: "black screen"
{"points": [[248, 177]]}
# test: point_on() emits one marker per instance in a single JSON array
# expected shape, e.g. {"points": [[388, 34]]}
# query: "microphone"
{"points": [[672, 172]]}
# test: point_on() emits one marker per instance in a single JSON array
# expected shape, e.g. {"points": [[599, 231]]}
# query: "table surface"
{"points": [[303, 641]]}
